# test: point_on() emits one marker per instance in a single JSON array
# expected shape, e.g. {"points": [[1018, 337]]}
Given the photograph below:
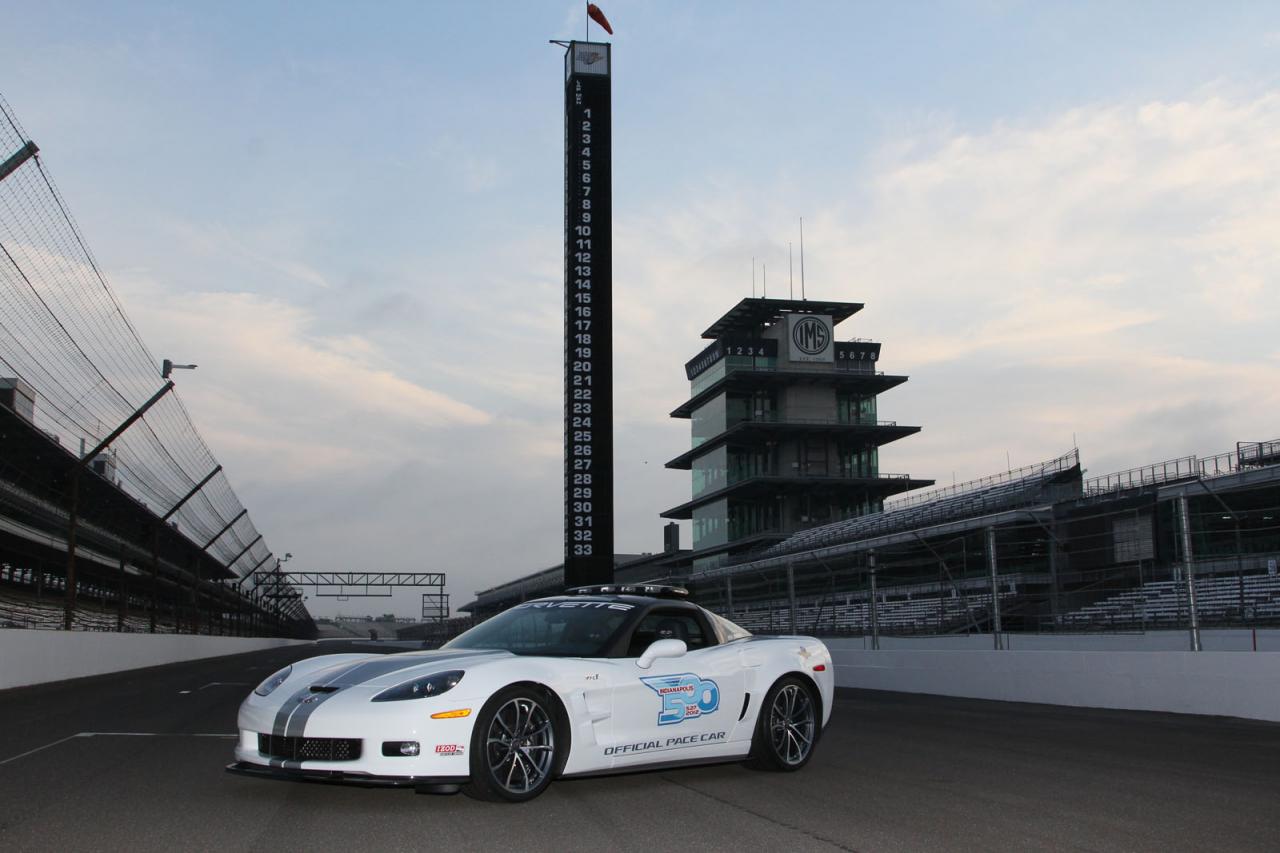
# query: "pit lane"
{"points": [[135, 761]]}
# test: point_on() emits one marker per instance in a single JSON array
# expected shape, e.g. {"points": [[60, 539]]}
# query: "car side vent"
{"points": [[746, 700]]}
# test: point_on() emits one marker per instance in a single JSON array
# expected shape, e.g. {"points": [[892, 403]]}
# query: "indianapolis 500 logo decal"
{"points": [[684, 696]]}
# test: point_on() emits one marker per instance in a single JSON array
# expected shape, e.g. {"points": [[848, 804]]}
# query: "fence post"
{"points": [[791, 593], [1188, 570], [728, 595], [1055, 605], [875, 607], [995, 589], [122, 597]]}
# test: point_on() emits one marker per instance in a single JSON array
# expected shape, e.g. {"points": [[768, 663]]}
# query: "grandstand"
{"points": [[1038, 548], [1032, 485], [1057, 552], [1219, 601], [110, 499]]}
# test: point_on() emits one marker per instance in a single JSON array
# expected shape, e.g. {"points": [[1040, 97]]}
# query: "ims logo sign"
{"points": [[810, 338]]}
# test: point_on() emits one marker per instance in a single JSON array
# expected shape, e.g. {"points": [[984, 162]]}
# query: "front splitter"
{"points": [[339, 777]]}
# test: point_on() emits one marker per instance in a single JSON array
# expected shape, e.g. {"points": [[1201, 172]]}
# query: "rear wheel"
{"points": [[787, 728], [516, 746]]}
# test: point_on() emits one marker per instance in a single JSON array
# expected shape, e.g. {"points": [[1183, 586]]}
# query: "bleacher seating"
{"points": [[1165, 602], [895, 614], [1024, 487], [22, 610]]}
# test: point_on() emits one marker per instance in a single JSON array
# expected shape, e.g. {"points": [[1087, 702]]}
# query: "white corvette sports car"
{"points": [[603, 679]]}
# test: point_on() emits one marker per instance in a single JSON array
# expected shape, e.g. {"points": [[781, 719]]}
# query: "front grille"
{"points": [[309, 748]]}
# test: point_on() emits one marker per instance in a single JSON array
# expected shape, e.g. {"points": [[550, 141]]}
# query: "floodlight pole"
{"points": [[74, 497]]}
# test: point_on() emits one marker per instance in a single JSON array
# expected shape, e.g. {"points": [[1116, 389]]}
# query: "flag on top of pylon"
{"points": [[594, 13]]}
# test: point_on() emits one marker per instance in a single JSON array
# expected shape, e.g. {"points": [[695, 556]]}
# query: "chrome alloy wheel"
{"points": [[520, 745], [791, 724]]}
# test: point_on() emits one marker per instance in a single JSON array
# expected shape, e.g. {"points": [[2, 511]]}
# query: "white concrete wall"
{"points": [[34, 657], [1231, 684], [1211, 640]]}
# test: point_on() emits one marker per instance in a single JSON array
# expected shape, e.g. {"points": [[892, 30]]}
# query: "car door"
{"points": [[679, 708]]}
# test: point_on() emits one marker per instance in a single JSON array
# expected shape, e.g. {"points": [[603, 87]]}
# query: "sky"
{"points": [[1061, 218]]}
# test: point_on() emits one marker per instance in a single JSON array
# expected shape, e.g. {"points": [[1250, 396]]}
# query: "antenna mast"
{"points": [[791, 273], [802, 257]]}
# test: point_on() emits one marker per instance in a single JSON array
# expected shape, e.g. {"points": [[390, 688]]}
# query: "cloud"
{"points": [[1038, 278], [266, 343]]}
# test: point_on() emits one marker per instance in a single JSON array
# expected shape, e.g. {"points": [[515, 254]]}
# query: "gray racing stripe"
{"points": [[291, 718], [363, 671]]}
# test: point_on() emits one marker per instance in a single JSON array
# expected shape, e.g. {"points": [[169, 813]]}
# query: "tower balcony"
{"points": [[747, 377], [764, 427], [755, 486]]}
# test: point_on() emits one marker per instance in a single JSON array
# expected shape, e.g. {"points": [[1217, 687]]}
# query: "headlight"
{"points": [[419, 688], [274, 681]]}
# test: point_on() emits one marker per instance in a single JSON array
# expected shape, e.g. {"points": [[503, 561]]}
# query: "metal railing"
{"points": [[1169, 471], [1246, 455], [1065, 462]]}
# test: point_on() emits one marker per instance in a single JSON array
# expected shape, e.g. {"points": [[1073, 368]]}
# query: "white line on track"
{"points": [[155, 734], [223, 684], [41, 748], [116, 734]]}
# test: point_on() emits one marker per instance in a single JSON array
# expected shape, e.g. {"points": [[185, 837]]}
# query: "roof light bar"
{"points": [[630, 589]]}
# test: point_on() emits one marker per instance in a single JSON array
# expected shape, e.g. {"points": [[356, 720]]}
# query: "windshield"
{"points": [[558, 628], [731, 630]]}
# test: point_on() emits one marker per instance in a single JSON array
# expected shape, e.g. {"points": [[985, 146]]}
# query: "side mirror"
{"points": [[661, 649]]}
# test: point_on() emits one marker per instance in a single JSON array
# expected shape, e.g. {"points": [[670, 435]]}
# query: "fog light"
{"points": [[393, 748]]}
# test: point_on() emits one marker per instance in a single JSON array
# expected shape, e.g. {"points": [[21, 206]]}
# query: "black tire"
{"points": [[787, 727], [519, 744]]}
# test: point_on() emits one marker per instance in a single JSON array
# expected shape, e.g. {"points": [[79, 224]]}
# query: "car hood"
{"points": [[388, 670]]}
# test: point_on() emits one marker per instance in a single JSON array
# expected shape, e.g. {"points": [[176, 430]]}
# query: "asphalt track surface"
{"points": [[134, 761]]}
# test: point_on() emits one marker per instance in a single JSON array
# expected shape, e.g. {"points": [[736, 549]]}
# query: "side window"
{"points": [[668, 625]]}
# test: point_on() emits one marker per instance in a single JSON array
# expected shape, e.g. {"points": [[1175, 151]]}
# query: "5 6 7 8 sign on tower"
{"points": [[588, 317]]}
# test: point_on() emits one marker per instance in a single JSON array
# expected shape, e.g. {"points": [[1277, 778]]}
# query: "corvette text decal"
{"points": [[684, 696], [574, 605]]}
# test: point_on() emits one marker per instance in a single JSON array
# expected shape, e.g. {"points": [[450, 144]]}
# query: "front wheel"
{"points": [[787, 728], [516, 747]]}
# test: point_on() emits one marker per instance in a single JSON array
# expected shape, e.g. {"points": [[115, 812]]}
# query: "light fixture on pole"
{"points": [[167, 367]]}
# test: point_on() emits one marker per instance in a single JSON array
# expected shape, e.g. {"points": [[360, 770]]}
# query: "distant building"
{"points": [[785, 427], [18, 396]]}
